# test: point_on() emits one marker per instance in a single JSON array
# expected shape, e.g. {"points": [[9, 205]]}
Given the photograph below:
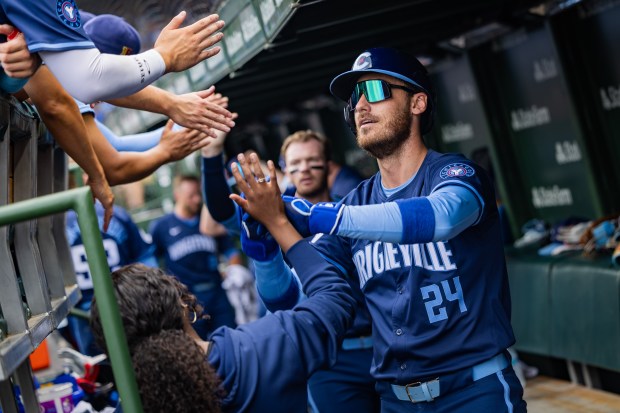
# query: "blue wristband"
{"points": [[256, 241], [298, 213], [325, 217]]}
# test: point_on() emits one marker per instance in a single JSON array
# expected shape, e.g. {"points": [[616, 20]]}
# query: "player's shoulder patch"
{"points": [[68, 13], [456, 170]]}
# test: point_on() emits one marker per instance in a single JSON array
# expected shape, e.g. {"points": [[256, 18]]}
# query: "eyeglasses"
{"points": [[375, 90]]}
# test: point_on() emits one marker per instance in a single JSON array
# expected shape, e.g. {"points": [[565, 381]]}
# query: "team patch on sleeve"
{"points": [[68, 13], [456, 170]]}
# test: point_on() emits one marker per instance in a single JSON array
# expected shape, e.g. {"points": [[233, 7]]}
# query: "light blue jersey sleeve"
{"points": [[138, 142], [441, 216], [277, 285]]}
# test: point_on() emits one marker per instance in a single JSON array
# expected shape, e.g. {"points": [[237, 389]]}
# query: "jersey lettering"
{"points": [[82, 271], [189, 245], [378, 257], [433, 292]]}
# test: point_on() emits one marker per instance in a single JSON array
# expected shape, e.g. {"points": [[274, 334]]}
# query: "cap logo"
{"points": [[126, 51], [68, 13], [363, 61]]}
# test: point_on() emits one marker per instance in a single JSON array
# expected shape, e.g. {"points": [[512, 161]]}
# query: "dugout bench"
{"points": [[567, 307]]}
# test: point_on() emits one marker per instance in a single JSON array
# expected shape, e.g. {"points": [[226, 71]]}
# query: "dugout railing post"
{"points": [[80, 200]]}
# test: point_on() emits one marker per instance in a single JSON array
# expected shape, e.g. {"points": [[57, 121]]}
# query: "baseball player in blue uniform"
{"points": [[347, 385], [123, 244], [424, 237], [262, 366], [194, 257]]}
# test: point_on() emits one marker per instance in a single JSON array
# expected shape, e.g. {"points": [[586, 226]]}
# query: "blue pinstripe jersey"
{"points": [[49, 25], [188, 254], [436, 307]]}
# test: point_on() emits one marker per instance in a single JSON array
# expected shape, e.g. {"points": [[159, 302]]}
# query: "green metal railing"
{"points": [[81, 201]]}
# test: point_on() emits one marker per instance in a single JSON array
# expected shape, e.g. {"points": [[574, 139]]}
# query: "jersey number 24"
{"points": [[434, 295]]}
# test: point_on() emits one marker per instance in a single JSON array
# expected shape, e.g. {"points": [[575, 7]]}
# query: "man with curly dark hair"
{"points": [[259, 367]]}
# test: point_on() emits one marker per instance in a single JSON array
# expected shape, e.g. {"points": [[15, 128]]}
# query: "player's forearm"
{"points": [[90, 76], [440, 216], [138, 142], [215, 190], [276, 284], [62, 118], [150, 99], [327, 292], [123, 167], [133, 166]]}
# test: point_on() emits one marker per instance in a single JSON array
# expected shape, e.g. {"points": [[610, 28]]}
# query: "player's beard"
{"points": [[384, 142]]}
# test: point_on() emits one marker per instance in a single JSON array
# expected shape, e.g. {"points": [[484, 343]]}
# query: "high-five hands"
{"points": [[262, 199]]}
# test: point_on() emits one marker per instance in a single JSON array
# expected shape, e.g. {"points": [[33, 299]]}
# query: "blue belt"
{"points": [[357, 343], [429, 390]]}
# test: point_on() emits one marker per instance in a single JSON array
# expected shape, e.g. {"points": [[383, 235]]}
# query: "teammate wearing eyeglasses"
{"points": [[424, 236], [347, 385]]}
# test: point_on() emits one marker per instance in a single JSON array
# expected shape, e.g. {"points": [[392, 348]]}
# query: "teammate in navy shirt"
{"points": [[194, 257], [262, 365], [424, 236], [123, 244]]}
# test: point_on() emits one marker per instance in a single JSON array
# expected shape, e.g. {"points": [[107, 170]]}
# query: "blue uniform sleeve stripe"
{"points": [[59, 47], [418, 220], [471, 188], [334, 263]]}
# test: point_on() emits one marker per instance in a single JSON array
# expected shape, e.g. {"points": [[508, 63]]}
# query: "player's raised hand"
{"points": [[204, 111], [262, 199], [216, 145], [262, 195], [16, 59], [180, 143], [184, 47]]}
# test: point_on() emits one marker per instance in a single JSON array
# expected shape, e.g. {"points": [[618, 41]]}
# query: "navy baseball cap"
{"points": [[390, 62], [112, 34], [382, 60]]}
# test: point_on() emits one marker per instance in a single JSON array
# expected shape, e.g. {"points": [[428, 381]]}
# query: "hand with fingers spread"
{"points": [[184, 47], [180, 143], [204, 110], [263, 200], [16, 59]]}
